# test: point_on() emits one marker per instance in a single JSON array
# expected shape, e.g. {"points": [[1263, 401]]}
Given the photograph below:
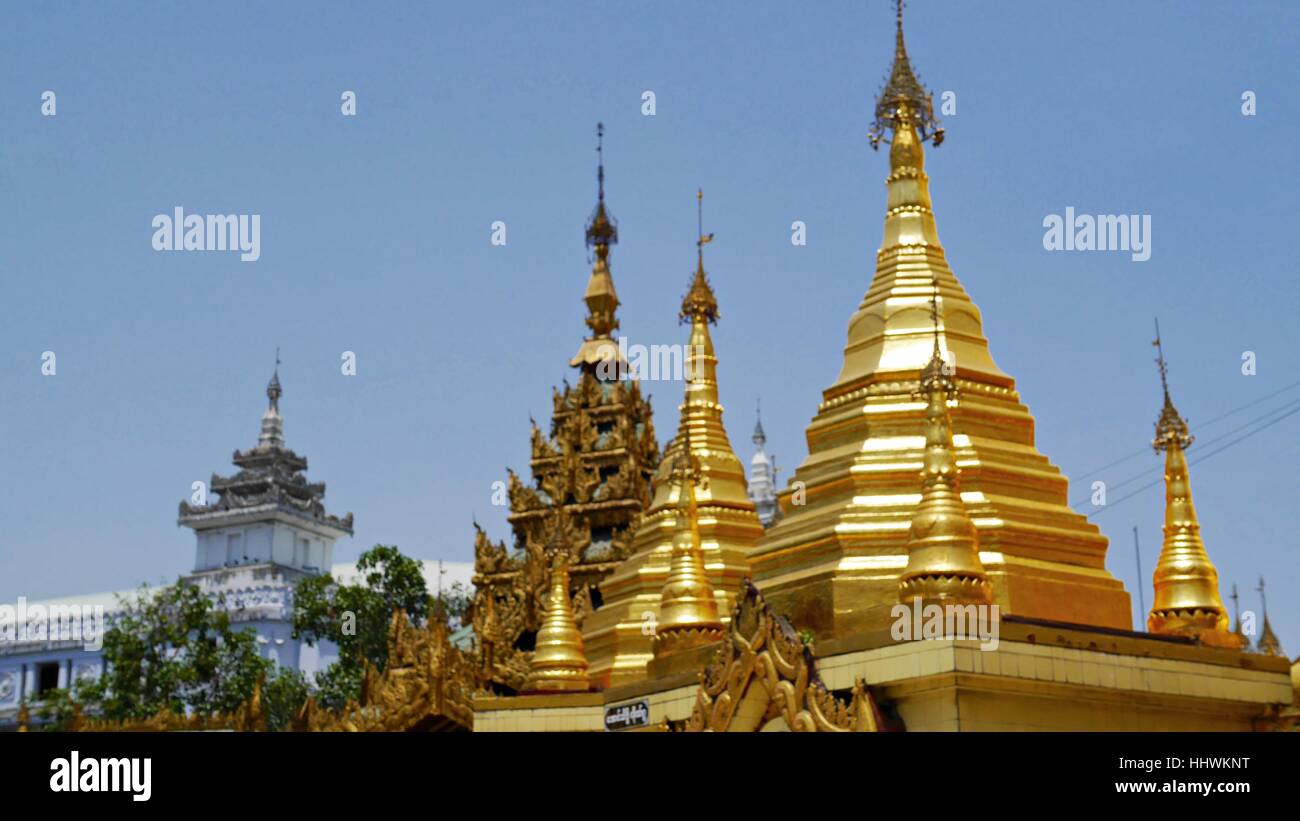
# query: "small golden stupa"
{"points": [[1186, 582], [558, 663], [943, 558]]}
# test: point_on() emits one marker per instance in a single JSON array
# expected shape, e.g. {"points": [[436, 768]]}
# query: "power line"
{"points": [[1202, 458], [1201, 425], [1295, 403]]}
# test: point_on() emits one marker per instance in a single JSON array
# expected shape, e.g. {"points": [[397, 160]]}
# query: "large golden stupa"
{"points": [[643, 593]]}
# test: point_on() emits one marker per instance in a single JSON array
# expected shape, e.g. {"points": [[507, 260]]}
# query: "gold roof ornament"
{"points": [[764, 677], [601, 298], [700, 304], [559, 663], [688, 611], [904, 98], [943, 562], [1186, 583], [427, 685]]}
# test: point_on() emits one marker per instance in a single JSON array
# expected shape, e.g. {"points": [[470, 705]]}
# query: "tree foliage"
{"points": [[173, 648], [355, 617]]}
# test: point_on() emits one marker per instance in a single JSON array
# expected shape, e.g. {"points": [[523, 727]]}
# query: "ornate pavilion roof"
{"points": [[270, 475]]}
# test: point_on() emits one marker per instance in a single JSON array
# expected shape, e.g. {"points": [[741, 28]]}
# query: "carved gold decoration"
{"points": [[763, 672], [248, 717], [594, 465], [428, 685]]}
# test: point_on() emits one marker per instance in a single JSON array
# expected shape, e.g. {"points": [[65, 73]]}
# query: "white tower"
{"points": [[762, 480], [266, 530]]}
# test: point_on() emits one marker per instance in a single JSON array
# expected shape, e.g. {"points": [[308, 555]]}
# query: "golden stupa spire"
{"points": [[1187, 599], [721, 525], [888, 332], [700, 309], [688, 611], [943, 562], [559, 662], [601, 298]]}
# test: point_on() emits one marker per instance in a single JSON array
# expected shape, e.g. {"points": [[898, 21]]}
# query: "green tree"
{"points": [[454, 601], [355, 617], [173, 648], [283, 695], [54, 709]]}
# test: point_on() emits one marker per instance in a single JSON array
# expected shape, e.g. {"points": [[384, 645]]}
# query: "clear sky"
{"points": [[375, 238]]}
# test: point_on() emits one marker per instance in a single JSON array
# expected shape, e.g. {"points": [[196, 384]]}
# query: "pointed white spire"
{"points": [[762, 478], [272, 423]]}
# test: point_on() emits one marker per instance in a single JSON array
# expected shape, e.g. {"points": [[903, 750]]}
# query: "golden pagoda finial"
{"points": [[688, 610], [602, 229], [1171, 428], [601, 298], [904, 105], [943, 561], [1186, 583], [1268, 643], [559, 661], [699, 301]]}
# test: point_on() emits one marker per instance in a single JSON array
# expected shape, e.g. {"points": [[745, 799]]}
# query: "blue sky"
{"points": [[375, 239]]}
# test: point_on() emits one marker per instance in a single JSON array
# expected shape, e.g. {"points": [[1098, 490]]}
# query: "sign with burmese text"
{"points": [[627, 716]]}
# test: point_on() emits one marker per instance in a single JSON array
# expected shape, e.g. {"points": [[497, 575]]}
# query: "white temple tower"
{"points": [[762, 480], [266, 530]]}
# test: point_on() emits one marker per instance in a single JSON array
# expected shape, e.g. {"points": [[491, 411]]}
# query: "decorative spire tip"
{"points": [[904, 102]]}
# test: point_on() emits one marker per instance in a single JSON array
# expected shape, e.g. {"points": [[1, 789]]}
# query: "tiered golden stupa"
{"points": [[833, 562], [620, 635], [909, 499], [594, 467]]}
